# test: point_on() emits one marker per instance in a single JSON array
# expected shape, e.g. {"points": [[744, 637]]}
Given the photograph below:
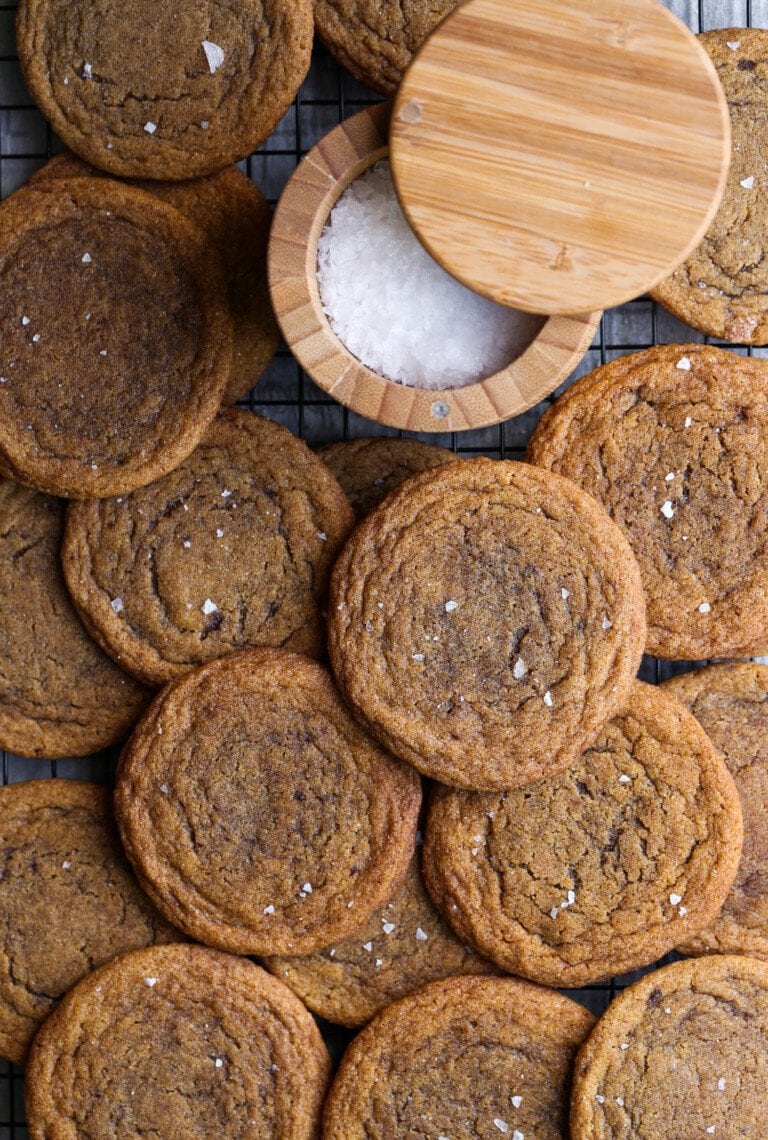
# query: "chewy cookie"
{"points": [[673, 442], [155, 90], [730, 702], [257, 813], [368, 469], [722, 289], [402, 948], [485, 621], [178, 1041], [601, 869], [232, 549], [59, 694], [681, 1053], [466, 1057], [68, 900], [115, 339]]}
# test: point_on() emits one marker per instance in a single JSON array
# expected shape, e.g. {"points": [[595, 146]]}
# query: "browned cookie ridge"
{"points": [[602, 869], [368, 469], [673, 441], [463, 1058], [155, 89], [177, 1041], [68, 900], [485, 621], [115, 339], [257, 814], [232, 549]]}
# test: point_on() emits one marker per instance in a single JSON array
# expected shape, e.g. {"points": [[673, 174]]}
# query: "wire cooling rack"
{"points": [[287, 395]]}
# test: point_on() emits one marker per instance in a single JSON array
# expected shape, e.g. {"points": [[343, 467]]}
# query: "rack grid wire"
{"points": [[287, 395]]}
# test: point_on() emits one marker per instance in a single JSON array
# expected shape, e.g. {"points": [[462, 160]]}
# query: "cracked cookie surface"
{"points": [[368, 469]]}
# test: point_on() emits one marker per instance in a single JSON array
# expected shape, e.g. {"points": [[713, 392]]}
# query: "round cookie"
{"points": [[485, 621], [115, 338], [178, 1041], [368, 469], [730, 703], [673, 441], [681, 1053], [403, 947], [462, 1058], [602, 869], [722, 289], [68, 900], [236, 218], [233, 549], [376, 42], [161, 91], [257, 815], [59, 694]]}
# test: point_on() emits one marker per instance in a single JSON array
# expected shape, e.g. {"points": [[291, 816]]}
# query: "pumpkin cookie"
{"points": [[368, 469], [152, 90], [178, 1041], [68, 900], [485, 621], [730, 702], [233, 549], [466, 1057], [402, 948], [673, 442], [59, 694], [682, 1053], [722, 289], [602, 869], [256, 813], [115, 339]]}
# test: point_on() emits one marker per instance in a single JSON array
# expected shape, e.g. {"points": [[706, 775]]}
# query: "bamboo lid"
{"points": [[561, 155]]}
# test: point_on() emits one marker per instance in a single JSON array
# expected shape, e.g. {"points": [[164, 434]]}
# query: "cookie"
{"points": [[115, 338], [158, 91], [232, 549], [376, 42], [59, 694], [680, 1054], [599, 870], [236, 218], [466, 1057], [673, 441], [403, 947], [257, 815], [722, 289], [68, 900], [178, 1041], [368, 469], [485, 621], [730, 702]]}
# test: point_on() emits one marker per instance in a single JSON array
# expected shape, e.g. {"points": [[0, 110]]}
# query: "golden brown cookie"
{"points": [[59, 694], [485, 621], [115, 338], [462, 1058], [257, 813], [158, 90], [236, 218], [68, 900], [232, 549], [682, 1053], [602, 869], [178, 1041], [368, 469], [722, 289], [673, 441], [403, 947], [730, 702]]}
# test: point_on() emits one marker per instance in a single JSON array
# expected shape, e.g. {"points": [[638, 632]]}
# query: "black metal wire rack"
{"points": [[286, 394]]}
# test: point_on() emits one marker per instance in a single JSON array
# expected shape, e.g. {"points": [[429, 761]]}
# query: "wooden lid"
{"points": [[561, 155]]}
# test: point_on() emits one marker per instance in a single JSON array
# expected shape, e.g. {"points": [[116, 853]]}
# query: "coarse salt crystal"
{"points": [[269, 909], [682, 911], [418, 657], [86, 259], [688, 421], [151, 982], [307, 888], [368, 946], [748, 183], [225, 494], [670, 477], [625, 779], [517, 1135], [66, 865], [600, 1099], [87, 71], [209, 607], [36, 337], [520, 669], [607, 623], [733, 44], [548, 701], [501, 1124], [711, 1129], [117, 605], [704, 608], [517, 1101], [186, 544], [164, 789], [675, 899], [324, 538], [620, 1101], [214, 54], [218, 1063], [667, 509], [420, 935], [565, 594], [684, 364], [150, 128], [554, 912], [388, 927], [25, 321], [451, 606], [721, 1084]]}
